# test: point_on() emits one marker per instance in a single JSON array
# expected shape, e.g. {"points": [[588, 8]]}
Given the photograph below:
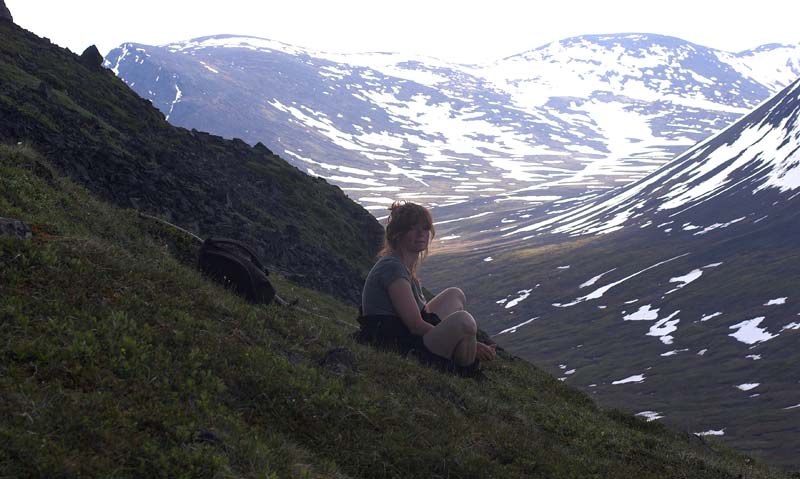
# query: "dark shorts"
{"points": [[431, 318], [389, 331]]}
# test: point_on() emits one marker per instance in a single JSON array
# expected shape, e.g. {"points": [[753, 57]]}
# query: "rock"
{"points": [[5, 14], [260, 147], [12, 227], [91, 57], [339, 360]]}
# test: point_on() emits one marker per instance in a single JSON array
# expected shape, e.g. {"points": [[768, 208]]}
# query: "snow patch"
{"points": [[748, 386], [673, 352], [639, 378], [663, 328], [748, 331], [513, 329], [649, 415], [643, 314], [524, 293], [687, 278], [717, 226], [776, 301], [594, 280], [706, 317], [712, 432]]}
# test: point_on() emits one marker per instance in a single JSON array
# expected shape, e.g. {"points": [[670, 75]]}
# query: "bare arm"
{"points": [[406, 306]]}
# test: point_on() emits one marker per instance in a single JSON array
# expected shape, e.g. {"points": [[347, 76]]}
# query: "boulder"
{"points": [[91, 57], [5, 14], [12, 227]]}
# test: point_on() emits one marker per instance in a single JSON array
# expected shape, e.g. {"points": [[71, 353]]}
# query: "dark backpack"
{"points": [[234, 265]]}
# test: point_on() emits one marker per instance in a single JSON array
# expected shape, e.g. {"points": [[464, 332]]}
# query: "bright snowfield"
{"points": [[594, 112]]}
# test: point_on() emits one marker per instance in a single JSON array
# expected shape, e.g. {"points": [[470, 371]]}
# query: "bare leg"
{"points": [[454, 338], [447, 302], [464, 354]]}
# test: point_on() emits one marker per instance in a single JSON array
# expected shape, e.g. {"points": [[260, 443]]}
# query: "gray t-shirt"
{"points": [[375, 297]]}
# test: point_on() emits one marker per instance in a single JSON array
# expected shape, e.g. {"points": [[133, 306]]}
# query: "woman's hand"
{"points": [[485, 352]]}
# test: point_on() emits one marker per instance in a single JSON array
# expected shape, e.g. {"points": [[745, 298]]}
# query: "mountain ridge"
{"points": [[777, 114]]}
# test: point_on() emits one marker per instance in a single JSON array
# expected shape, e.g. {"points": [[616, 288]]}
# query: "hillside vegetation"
{"points": [[100, 133], [119, 360]]}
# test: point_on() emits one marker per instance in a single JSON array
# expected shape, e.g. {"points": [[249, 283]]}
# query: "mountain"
{"points": [[566, 120], [119, 359], [109, 139], [674, 297]]}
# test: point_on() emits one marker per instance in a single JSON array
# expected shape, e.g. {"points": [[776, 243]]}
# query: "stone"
{"points": [[91, 57], [12, 227]]}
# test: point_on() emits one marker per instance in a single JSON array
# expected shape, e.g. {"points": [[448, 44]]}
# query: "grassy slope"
{"points": [[119, 360], [100, 132]]}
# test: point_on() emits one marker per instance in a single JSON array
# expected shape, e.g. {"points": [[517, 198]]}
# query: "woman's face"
{"points": [[416, 240]]}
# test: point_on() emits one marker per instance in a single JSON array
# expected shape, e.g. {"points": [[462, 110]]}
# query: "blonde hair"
{"points": [[403, 216]]}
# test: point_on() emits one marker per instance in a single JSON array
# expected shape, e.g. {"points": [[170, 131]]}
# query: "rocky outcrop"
{"points": [[5, 14], [92, 58]]}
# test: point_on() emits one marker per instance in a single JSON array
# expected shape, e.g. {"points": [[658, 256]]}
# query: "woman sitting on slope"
{"points": [[394, 310]]}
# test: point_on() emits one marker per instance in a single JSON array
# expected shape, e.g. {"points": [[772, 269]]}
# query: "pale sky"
{"points": [[463, 31]]}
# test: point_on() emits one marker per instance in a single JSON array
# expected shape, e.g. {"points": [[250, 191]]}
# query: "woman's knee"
{"points": [[465, 322], [457, 295]]}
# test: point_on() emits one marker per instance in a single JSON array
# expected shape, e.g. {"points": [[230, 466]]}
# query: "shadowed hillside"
{"points": [[103, 135]]}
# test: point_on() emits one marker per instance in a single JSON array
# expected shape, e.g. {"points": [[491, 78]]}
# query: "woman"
{"points": [[395, 311]]}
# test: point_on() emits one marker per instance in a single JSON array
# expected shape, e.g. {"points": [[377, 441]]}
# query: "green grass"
{"points": [[120, 360]]}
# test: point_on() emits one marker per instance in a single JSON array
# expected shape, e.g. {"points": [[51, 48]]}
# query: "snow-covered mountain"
{"points": [[570, 118], [755, 156], [674, 297]]}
